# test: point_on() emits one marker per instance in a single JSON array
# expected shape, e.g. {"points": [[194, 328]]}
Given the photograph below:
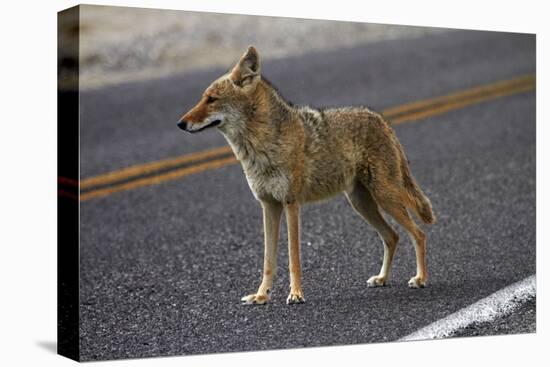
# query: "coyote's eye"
{"points": [[211, 99]]}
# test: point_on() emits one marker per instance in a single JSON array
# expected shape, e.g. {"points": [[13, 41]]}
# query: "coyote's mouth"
{"points": [[212, 124]]}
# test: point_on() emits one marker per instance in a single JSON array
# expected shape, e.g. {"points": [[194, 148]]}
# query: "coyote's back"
{"points": [[346, 145]]}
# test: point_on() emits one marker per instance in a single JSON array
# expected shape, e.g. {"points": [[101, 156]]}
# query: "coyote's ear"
{"points": [[247, 70]]}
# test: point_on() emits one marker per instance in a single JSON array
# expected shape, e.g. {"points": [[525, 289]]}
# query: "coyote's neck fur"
{"points": [[264, 118], [269, 144]]}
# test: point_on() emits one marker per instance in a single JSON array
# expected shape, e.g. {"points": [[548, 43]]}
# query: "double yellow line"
{"points": [[169, 169]]}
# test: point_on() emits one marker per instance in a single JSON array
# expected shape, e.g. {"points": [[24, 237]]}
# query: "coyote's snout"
{"points": [[294, 155]]}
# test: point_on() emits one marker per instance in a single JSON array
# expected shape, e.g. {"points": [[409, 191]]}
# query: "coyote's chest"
{"points": [[267, 182], [267, 175]]}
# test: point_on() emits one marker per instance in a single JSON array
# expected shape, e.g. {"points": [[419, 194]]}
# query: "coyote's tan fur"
{"points": [[294, 155]]}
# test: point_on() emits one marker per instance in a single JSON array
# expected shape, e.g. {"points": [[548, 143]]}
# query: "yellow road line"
{"points": [[151, 167], [158, 178], [403, 113], [484, 89], [459, 104]]}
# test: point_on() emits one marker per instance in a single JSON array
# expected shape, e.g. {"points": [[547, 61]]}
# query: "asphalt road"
{"points": [[163, 267]]}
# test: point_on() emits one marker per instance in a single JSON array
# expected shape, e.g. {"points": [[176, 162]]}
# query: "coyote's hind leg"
{"points": [[362, 201], [418, 237]]}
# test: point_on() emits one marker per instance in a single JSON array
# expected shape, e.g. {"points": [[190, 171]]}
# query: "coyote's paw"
{"points": [[295, 297], [376, 281], [417, 282], [255, 299]]}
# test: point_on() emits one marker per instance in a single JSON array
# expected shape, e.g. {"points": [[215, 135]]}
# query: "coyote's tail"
{"points": [[422, 206], [419, 203]]}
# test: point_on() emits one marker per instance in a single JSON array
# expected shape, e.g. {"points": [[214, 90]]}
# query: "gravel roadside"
{"points": [[120, 44]]}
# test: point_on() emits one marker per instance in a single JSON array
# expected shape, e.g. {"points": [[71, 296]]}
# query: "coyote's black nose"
{"points": [[182, 124]]}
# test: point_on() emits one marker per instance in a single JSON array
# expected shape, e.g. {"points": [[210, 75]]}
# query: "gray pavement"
{"points": [[163, 267]]}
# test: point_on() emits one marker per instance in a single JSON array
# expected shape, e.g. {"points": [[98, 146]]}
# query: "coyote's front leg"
{"points": [[272, 217], [296, 295]]}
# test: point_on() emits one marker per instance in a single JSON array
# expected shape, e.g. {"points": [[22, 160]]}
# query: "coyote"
{"points": [[294, 155]]}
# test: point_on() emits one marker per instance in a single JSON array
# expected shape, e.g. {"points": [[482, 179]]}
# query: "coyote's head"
{"points": [[228, 102]]}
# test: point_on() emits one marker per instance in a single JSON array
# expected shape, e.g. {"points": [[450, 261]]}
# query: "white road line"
{"points": [[500, 303]]}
